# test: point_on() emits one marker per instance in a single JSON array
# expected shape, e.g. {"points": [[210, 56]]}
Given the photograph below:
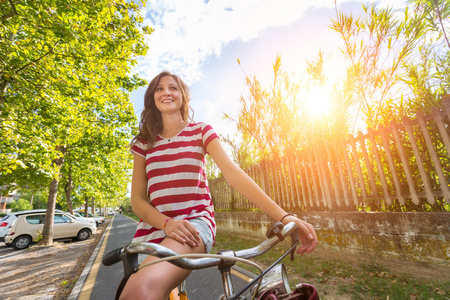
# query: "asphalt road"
{"points": [[102, 281]]}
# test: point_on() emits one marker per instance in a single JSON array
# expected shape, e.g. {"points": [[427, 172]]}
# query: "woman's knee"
{"points": [[146, 286], [157, 281]]}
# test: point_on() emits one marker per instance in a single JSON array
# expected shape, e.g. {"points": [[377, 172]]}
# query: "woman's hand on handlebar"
{"points": [[307, 234], [183, 232]]}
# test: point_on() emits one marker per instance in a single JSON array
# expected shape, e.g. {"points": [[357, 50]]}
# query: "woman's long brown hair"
{"points": [[151, 124]]}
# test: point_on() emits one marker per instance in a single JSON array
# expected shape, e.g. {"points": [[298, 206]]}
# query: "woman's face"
{"points": [[168, 96]]}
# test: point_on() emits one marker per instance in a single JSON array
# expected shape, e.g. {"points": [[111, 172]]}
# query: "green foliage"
{"points": [[21, 204], [212, 171], [266, 118], [125, 204], [241, 153], [39, 237], [398, 64], [64, 104], [274, 122]]}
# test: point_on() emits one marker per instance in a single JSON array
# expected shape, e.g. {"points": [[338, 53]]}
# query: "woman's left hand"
{"points": [[307, 234]]}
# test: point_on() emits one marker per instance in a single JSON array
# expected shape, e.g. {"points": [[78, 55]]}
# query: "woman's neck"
{"points": [[172, 126]]}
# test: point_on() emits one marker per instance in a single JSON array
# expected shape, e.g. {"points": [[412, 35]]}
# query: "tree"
{"points": [[398, 66], [21, 204], [241, 153], [399, 62], [275, 122], [64, 76], [266, 120], [428, 77]]}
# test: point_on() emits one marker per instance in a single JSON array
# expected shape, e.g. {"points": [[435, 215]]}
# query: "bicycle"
{"points": [[271, 283]]}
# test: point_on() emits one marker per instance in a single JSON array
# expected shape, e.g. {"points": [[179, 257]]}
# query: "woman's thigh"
{"points": [[205, 233], [159, 279]]}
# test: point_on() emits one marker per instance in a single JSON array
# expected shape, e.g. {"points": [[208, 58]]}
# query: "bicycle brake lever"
{"points": [[295, 240]]}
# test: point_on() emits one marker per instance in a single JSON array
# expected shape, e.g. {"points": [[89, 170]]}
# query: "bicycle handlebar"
{"points": [[112, 257], [198, 263]]}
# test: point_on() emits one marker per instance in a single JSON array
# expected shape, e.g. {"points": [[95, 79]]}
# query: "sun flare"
{"points": [[317, 102]]}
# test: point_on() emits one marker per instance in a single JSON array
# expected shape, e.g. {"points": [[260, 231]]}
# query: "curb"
{"points": [[80, 281]]}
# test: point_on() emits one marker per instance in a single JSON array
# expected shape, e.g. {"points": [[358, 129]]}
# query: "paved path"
{"points": [[100, 282]]}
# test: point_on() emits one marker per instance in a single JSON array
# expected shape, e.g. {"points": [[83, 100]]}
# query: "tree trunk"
{"points": [[92, 206], [68, 190], [47, 231], [86, 206], [31, 200]]}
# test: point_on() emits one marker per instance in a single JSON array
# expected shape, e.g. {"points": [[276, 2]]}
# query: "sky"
{"points": [[202, 40]]}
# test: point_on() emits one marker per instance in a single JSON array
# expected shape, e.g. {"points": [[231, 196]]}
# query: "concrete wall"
{"points": [[409, 235]]}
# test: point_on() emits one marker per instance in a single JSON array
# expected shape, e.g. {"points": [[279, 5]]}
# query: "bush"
{"points": [[21, 204]]}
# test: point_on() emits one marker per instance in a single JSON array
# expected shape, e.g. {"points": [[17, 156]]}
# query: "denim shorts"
{"points": [[204, 232]]}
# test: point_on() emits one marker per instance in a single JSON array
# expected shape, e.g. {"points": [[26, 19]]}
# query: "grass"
{"points": [[337, 278], [131, 215]]}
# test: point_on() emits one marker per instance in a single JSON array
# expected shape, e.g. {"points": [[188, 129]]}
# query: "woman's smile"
{"points": [[168, 97]]}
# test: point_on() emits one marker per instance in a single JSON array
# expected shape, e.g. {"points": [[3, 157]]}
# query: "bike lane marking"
{"points": [[241, 274], [86, 281]]}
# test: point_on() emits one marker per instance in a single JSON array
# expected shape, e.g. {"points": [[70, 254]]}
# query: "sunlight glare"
{"points": [[317, 102]]}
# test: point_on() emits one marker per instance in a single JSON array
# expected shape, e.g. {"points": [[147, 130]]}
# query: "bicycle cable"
{"points": [[259, 277]]}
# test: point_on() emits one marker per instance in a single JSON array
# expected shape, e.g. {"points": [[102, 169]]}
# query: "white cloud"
{"points": [[187, 33], [190, 33]]}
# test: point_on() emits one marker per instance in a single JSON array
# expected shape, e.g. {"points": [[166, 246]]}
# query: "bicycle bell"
{"points": [[276, 278]]}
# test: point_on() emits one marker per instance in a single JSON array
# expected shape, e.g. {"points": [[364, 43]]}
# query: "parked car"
{"points": [[27, 227], [96, 219], [6, 221], [79, 217]]}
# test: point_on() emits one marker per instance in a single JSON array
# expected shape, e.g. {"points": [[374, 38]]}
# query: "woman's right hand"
{"points": [[183, 232]]}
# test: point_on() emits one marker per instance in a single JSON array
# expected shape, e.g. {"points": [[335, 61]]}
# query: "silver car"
{"points": [[98, 219], [78, 217]]}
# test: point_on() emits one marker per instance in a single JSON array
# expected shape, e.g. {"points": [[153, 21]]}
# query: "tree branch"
{"points": [[438, 12], [12, 13], [37, 59]]}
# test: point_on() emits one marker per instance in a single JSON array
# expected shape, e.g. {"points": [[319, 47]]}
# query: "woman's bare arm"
{"points": [[239, 180]]}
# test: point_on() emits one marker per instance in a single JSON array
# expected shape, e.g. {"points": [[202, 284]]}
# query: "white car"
{"points": [[6, 221], [98, 220], [78, 217], [27, 227]]}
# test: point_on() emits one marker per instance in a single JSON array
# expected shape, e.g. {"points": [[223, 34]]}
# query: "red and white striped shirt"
{"points": [[177, 183]]}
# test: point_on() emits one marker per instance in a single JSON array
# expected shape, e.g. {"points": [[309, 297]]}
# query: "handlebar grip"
{"points": [[112, 257]]}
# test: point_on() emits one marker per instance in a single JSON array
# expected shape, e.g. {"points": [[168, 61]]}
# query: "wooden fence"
{"points": [[402, 167]]}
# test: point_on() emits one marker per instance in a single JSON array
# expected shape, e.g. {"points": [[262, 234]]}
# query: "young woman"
{"points": [[169, 189]]}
